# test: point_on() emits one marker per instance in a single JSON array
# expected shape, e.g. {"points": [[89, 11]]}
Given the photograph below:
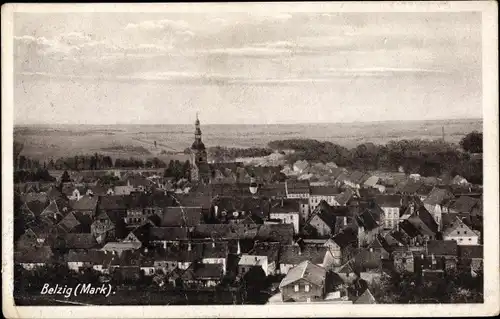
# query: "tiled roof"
{"points": [[422, 220], [275, 232], [79, 241], [169, 233], [344, 197], [36, 207], [85, 203], [366, 298], [181, 216], [207, 271], [437, 196], [442, 247], [68, 223], [297, 187], [305, 270], [345, 238], [112, 202], [388, 200], [269, 249], [291, 254], [464, 204], [324, 191]]}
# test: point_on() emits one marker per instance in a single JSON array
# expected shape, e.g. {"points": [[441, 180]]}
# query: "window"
{"points": [[470, 239], [296, 288], [306, 288]]}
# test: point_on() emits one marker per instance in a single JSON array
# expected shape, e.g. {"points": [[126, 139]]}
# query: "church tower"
{"points": [[198, 153]]}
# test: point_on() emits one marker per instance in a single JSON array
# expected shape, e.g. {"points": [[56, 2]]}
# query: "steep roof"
{"points": [[207, 271], [464, 204], [112, 202], [367, 220], [345, 238], [366, 298], [306, 270], [85, 203], [457, 228], [423, 221], [291, 254], [168, 233], [68, 223], [324, 190], [388, 200], [344, 197], [442, 247], [297, 187], [182, 216], [39, 255], [437, 196], [36, 207], [275, 232], [79, 241]]}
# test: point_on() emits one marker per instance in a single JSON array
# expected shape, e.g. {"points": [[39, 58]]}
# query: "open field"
{"points": [[45, 142]]}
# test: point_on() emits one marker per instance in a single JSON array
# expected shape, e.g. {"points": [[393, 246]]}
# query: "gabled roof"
{"points": [[388, 200], [324, 190], [86, 203], [366, 259], [169, 233], [96, 257], [307, 271], [464, 204], [292, 254], [36, 207], [297, 187], [345, 238], [252, 260], [442, 247], [285, 206], [437, 196], [215, 250], [275, 232], [366, 298], [122, 245], [112, 202], [68, 223], [205, 271], [457, 228], [344, 197], [142, 200], [181, 216], [422, 220], [367, 220], [79, 241], [269, 249], [371, 181]]}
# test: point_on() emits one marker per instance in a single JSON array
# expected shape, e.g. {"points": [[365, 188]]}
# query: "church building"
{"points": [[200, 170]]}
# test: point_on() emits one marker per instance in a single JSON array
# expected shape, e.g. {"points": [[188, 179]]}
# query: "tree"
{"points": [[252, 283], [65, 177], [472, 142]]}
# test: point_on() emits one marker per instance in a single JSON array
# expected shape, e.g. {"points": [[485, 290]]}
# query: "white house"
{"points": [[461, 233], [288, 218]]}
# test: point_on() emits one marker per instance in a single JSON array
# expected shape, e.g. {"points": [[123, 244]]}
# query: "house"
{"points": [[122, 189], [300, 167], [67, 241], [291, 255], [282, 233], [403, 261], [323, 193], [215, 253], [202, 275], [75, 222], [81, 259], [356, 179], [342, 246], [344, 198], [55, 210], [35, 258], [323, 220], [139, 234], [471, 258], [117, 248], [458, 231], [141, 207], [297, 189], [368, 262], [85, 205], [422, 221], [368, 226], [434, 203], [371, 182], [446, 250], [304, 282], [181, 216], [34, 236], [108, 226], [248, 262], [288, 211], [32, 210], [391, 206], [165, 236], [464, 205], [268, 252]]}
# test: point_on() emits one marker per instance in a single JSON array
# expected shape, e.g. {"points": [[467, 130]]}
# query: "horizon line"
{"points": [[263, 124]]}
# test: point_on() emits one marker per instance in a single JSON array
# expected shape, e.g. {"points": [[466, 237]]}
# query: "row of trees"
{"points": [[221, 153], [178, 170], [428, 158], [87, 162]]}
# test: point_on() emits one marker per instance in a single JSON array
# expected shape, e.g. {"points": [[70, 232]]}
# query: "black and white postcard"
{"points": [[250, 159]]}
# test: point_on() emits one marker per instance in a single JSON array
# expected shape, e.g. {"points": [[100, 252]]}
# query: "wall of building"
{"points": [[314, 293]]}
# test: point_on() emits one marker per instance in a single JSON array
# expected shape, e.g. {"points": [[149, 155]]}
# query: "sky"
{"points": [[261, 67]]}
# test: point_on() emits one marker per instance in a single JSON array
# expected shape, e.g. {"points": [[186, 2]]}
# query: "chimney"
{"points": [[239, 248], [189, 246], [300, 250], [216, 210], [345, 220], [164, 244]]}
